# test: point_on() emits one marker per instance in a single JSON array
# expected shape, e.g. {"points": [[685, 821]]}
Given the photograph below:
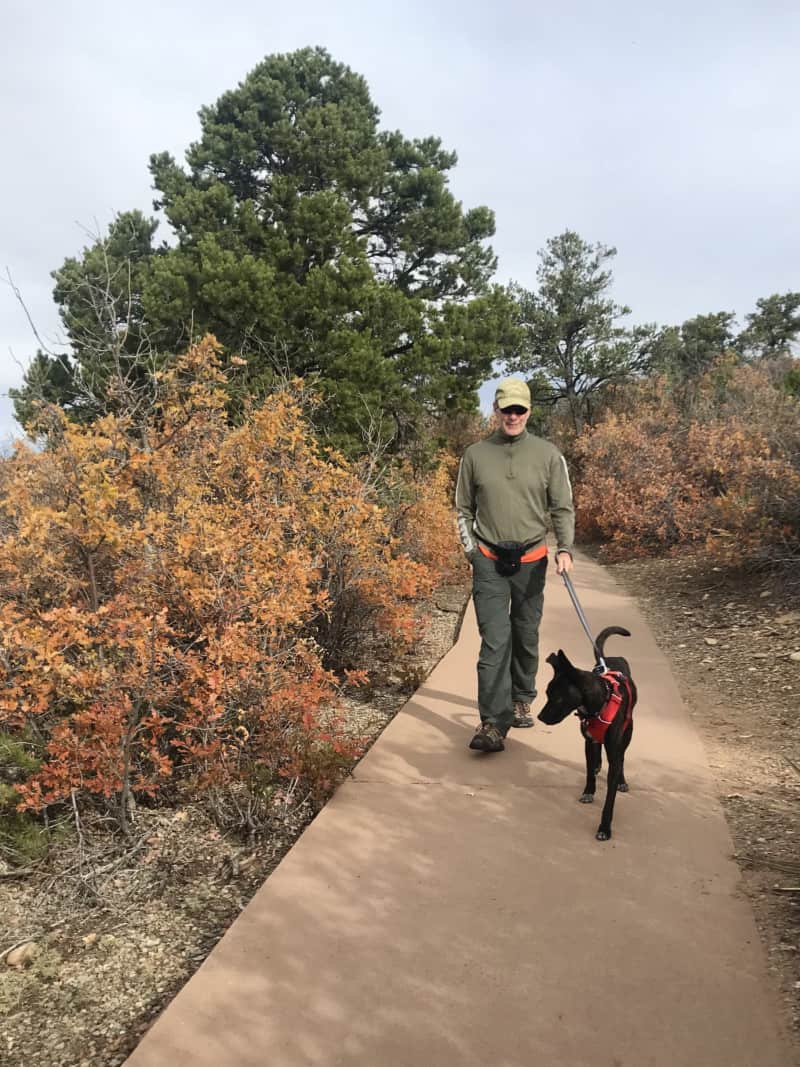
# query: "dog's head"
{"points": [[564, 692]]}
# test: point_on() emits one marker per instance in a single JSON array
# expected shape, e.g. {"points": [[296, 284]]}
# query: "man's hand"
{"points": [[563, 562]]}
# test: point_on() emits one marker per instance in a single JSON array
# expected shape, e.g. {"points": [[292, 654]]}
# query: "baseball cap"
{"points": [[512, 391]]}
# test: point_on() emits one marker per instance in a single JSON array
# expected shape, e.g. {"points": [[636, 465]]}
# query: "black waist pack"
{"points": [[509, 555]]}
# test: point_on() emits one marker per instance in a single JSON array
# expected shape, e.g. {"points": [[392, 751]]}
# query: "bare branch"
{"points": [[21, 301]]}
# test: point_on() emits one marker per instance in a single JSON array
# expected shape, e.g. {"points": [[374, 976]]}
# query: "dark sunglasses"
{"points": [[514, 409]]}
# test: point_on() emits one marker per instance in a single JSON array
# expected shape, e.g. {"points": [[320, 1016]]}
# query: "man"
{"points": [[509, 485]]}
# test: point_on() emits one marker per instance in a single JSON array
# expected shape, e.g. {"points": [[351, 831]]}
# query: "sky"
{"points": [[667, 130]]}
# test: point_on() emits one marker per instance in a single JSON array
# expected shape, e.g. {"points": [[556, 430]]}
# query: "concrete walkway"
{"points": [[453, 909]]}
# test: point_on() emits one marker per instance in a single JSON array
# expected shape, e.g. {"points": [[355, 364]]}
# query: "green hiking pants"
{"points": [[508, 611]]}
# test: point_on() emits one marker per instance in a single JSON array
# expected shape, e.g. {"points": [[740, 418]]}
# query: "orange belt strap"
{"points": [[530, 557]]}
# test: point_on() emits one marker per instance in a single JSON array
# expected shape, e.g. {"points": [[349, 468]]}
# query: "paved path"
{"points": [[453, 909]]}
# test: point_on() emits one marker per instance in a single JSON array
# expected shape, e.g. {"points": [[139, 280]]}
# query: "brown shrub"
{"points": [[652, 479]]}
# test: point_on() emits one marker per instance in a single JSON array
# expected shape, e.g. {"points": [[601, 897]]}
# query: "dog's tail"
{"points": [[603, 636]]}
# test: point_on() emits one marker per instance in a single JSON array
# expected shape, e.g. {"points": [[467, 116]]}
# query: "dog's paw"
{"points": [[586, 798], [603, 835], [623, 787]]}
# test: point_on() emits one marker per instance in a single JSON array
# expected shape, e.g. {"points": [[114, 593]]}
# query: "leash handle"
{"points": [[577, 605]]}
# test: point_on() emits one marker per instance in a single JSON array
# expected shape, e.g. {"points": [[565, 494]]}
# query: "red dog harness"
{"points": [[596, 726]]}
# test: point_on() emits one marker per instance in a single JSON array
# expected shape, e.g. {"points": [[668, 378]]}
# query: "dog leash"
{"points": [[601, 663]]}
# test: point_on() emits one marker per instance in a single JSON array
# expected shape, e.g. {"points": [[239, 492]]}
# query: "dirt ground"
{"points": [[733, 640], [115, 938]]}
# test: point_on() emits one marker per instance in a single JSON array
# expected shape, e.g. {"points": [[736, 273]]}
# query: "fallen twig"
{"points": [[23, 872], [777, 865], [128, 854]]}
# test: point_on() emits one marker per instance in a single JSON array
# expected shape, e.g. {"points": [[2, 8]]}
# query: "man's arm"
{"points": [[562, 511], [465, 505]]}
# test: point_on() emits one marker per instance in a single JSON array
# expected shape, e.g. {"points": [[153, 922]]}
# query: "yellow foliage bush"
{"points": [[175, 595]]}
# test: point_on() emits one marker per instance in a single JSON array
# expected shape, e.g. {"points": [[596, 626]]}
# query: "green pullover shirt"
{"points": [[509, 487]]}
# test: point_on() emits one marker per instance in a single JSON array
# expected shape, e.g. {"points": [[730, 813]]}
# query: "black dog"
{"points": [[604, 703]]}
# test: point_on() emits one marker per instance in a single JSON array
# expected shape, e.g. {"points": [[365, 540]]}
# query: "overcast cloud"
{"points": [[668, 130]]}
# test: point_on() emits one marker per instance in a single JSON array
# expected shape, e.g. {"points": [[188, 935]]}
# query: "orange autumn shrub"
{"points": [[633, 494], [751, 491], [725, 476], [425, 519], [166, 590]]}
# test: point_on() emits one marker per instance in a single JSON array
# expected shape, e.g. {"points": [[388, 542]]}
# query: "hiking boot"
{"points": [[522, 715], [489, 738]]}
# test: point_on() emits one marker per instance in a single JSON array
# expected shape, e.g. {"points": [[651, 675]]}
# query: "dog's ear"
{"points": [[566, 667]]}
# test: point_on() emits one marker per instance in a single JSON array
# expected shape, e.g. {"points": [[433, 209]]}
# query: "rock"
{"points": [[22, 955], [711, 641], [794, 657]]}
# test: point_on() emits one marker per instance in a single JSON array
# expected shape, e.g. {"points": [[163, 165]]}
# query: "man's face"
{"points": [[513, 418]]}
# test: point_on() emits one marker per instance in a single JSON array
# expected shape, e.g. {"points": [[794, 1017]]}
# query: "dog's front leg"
{"points": [[623, 785], [614, 777], [593, 753]]}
